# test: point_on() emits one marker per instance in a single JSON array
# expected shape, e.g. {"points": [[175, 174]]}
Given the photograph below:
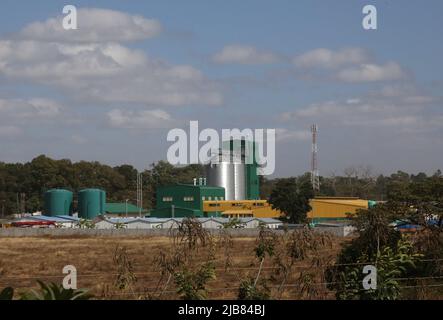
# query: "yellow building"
{"points": [[325, 208], [241, 208]]}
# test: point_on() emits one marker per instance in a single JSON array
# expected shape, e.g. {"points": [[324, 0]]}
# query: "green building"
{"points": [[123, 209], [184, 200], [247, 149]]}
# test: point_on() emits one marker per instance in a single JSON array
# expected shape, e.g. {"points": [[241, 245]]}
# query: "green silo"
{"points": [[91, 203], [58, 202]]}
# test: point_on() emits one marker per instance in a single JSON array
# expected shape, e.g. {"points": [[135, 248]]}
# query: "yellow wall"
{"points": [[333, 207], [242, 208]]}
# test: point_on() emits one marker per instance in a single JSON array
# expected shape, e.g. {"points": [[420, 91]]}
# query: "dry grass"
{"points": [[24, 260]]}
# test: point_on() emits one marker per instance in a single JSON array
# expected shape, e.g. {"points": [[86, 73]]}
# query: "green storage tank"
{"points": [[58, 202], [91, 203]]}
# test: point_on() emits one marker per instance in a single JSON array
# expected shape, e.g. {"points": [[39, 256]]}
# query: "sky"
{"points": [[111, 90]]}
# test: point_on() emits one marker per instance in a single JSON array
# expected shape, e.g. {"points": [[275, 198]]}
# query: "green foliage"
{"points": [[265, 243], [120, 225], [248, 290], [234, 223], [53, 291], [7, 293], [42, 173], [375, 231], [291, 196], [416, 200], [391, 266], [86, 224], [183, 261], [191, 285]]}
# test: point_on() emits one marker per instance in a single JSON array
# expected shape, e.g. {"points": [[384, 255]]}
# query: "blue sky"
{"points": [[376, 95]]}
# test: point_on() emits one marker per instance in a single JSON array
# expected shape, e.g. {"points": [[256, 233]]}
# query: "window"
{"points": [[214, 204], [188, 199], [167, 199], [222, 198], [209, 198], [203, 198]]}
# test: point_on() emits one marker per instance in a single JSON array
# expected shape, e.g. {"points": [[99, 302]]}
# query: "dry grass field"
{"points": [[24, 260]]}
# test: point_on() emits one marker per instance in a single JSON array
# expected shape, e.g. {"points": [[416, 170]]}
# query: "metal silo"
{"points": [[91, 203], [102, 201], [239, 181], [221, 175], [58, 202], [228, 171]]}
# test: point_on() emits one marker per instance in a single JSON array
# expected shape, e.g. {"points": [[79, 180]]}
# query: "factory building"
{"points": [[171, 223], [185, 200], [241, 209], [229, 190], [335, 208], [123, 209]]}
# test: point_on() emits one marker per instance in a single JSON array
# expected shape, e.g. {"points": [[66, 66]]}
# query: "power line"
{"points": [[92, 274]]}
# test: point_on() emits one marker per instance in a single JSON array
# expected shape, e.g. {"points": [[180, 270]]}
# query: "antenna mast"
{"points": [[315, 180]]}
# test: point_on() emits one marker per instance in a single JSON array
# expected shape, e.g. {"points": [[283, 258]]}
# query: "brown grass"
{"points": [[24, 260]]}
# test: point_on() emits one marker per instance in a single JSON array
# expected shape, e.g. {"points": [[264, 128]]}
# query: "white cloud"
{"points": [[406, 110], [372, 72], [145, 119], [91, 64], [351, 65], [107, 72], [325, 58], [243, 54], [94, 25], [29, 109]]}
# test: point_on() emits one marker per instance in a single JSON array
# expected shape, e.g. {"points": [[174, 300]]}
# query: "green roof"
{"points": [[200, 186], [121, 208]]}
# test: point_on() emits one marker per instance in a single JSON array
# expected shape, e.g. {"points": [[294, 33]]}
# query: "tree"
{"points": [[413, 200], [291, 196], [392, 265]]}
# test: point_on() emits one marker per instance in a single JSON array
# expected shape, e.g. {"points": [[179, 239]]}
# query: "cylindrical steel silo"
{"points": [[91, 203], [58, 202], [228, 171], [239, 181], [102, 201], [221, 175]]}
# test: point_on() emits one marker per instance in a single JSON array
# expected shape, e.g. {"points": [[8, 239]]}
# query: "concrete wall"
{"points": [[341, 231]]}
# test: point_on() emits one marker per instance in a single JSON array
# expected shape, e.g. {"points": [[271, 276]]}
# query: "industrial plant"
{"points": [[229, 190]]}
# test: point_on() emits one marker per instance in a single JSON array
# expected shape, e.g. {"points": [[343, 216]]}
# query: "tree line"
{"points": [[22, 185]]}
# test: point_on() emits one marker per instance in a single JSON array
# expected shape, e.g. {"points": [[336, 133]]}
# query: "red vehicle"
{"points": [[33, 224]]}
